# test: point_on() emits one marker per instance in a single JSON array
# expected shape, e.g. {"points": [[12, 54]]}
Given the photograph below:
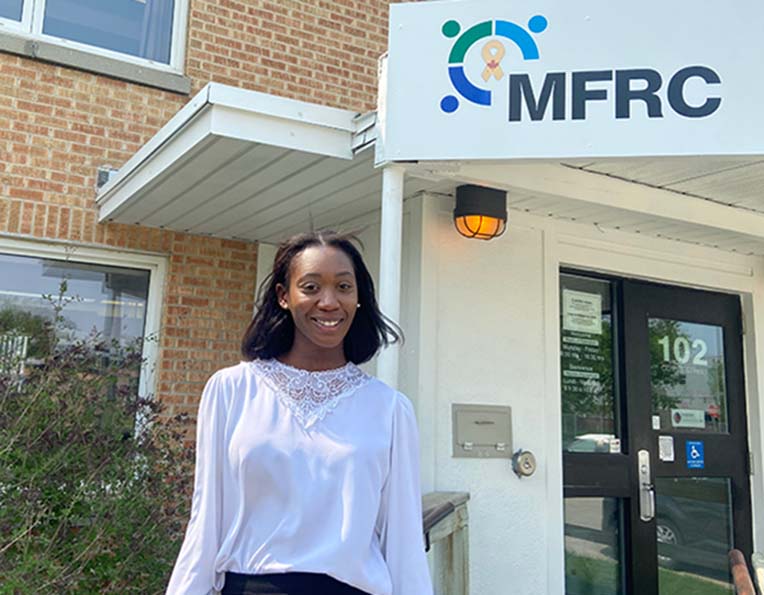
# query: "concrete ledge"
{"points": [[82, 60]]}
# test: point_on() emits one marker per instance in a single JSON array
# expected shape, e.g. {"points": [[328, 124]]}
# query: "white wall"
{"points": [[489, 348]]}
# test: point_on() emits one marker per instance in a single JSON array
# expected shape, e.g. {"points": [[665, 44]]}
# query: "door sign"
{"points": [[666, 448], [688, 418], [695, 454]]}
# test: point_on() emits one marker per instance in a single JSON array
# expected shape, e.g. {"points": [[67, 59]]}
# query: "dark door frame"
{"points": [[615, 475]]}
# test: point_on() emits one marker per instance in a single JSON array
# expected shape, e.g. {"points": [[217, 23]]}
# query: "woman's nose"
{"points": [[328, 300]]}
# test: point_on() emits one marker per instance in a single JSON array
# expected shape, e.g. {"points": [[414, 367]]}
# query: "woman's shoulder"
{"points": [[231, 377], [382, 390]]}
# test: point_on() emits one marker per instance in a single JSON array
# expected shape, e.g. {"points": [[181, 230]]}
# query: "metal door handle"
{"points": [[646, 487]]}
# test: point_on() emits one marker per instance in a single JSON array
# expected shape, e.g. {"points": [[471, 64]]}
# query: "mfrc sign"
{"points": [[630, 86], [552, 79]]}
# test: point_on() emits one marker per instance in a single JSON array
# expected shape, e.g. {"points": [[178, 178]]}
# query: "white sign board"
{"points": [[490, 79], [581, 311], [688, 418]]}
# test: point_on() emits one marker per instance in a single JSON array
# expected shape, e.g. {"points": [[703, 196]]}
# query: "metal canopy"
{"points": [[240, 164]]}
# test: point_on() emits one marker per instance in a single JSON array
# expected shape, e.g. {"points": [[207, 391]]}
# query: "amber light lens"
{"points": [[480, 227]]}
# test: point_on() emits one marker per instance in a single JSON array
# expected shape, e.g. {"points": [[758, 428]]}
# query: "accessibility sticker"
{"points": [[695, 454]]}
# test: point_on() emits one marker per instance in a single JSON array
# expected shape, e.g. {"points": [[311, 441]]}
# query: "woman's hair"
{"points": [[271, 332]]}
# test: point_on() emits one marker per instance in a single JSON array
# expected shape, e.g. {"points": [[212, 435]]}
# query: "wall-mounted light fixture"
{"points": [[480, 212]]}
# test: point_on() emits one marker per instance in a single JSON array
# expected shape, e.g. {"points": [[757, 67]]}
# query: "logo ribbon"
{"points": [[492, 53]]}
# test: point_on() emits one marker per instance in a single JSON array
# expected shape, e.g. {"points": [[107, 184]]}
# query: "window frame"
{"points": [[30, 28], [155, 264]]}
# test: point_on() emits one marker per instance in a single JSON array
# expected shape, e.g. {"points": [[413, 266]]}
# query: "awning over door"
{"points": [[240, 164]]}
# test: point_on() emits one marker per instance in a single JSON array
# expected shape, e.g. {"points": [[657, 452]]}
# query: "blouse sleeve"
{"points": [[400, 516], [194, 571]]}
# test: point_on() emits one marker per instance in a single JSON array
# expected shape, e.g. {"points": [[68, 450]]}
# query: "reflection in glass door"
{"points": [[694, 534], [654, 438]]}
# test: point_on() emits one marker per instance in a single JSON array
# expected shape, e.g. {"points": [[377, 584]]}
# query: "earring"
{"points": [[358, 305]]}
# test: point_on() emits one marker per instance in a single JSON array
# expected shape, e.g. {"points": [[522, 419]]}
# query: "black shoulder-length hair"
{"points": [[271, 332]]}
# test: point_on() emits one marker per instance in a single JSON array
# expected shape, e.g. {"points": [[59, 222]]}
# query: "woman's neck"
{"points": [[314, 360]]}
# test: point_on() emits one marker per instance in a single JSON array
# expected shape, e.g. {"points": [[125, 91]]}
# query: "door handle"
{"points": [[646, 488]]}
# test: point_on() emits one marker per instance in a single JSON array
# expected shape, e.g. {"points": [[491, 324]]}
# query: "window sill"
{"points": [[91, 62]]}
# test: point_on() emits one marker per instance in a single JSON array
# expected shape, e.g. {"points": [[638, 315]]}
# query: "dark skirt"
{"points": [[289, 583]]}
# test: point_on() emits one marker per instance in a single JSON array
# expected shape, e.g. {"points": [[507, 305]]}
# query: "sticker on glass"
{"points": [[581, 312], [666, 448], [688, 418], [695, 454]]}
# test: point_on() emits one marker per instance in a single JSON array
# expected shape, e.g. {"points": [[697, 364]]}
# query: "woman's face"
{"points": [[322, 297]]}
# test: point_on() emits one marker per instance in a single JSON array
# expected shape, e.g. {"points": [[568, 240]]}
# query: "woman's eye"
{"points": [[346, 286], [309, 287]]}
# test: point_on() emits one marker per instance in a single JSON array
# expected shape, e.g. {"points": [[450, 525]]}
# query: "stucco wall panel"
{"points": [[491, 351]]}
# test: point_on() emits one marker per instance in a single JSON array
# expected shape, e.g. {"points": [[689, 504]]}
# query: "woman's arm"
{"points": [[194, 569], [400, 516]]}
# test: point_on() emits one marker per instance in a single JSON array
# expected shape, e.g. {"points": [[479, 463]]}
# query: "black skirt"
{"points": [[289, 583]]}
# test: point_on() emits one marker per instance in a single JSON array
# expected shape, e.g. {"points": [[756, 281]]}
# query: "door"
{"points": [[654, 437]]}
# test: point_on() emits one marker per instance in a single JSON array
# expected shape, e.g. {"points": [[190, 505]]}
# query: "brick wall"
{"points": [[58, 125], [315, 50]]}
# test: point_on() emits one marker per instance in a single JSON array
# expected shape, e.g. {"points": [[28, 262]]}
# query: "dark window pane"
{"points": [[592, 546], [694, 534], [107, 301], [587, 365], [137, 27], [11, 9], [687, 376]]}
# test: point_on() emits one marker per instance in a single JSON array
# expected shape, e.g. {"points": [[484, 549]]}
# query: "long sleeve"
{"points": [[400, 516], [194, 572]]}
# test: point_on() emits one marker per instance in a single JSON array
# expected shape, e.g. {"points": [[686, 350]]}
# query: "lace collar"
{"points": [[310, 396]]}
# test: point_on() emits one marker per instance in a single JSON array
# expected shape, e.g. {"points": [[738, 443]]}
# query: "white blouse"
{"points": [[301, 471]]}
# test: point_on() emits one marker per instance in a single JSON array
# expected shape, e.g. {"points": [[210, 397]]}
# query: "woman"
{"points": [[307, 479]]}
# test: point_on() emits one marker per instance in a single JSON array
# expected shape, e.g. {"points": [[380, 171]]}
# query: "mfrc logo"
{"points": [[492, 53], [568, 93]]}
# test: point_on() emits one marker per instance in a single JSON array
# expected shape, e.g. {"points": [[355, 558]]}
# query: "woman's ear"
{"points": [[281, 294]]}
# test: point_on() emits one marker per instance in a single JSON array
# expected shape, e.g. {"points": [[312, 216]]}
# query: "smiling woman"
{"points": [[307, 474]]}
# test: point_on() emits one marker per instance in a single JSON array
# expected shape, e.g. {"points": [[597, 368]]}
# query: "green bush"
{"points": [[94, 480]]}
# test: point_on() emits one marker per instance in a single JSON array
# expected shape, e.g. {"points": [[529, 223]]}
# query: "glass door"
{"points": [[655, 449]]}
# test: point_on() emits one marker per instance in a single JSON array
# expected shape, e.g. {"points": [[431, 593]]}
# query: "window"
{"points": [[115, 295], [11, 9], [142, 31], [95, 299]]}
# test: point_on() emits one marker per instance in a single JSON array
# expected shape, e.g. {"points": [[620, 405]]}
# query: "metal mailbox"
{"points": [[482, 431]]}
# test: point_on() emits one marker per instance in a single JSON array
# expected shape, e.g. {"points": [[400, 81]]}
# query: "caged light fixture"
{"points": [[480, 212]]}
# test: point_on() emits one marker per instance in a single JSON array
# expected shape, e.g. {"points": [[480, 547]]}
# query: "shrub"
{"points": [[94, 480]]}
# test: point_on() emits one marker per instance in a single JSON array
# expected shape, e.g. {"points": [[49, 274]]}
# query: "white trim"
{"points": [[265, 255], [552, 404], [33, 16], [179, 35], [265, 104], [156, 265]]}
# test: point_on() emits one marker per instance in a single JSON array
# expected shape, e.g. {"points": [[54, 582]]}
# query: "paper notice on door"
{"points": [[656, 422], [688, 418], [581, 312], [666, 448]]}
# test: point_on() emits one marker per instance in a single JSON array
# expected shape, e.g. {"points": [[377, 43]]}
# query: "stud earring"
{"points": [[358, 305]]}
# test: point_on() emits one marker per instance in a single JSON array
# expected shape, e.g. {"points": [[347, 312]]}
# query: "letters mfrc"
{"points": [[628, 88]]}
